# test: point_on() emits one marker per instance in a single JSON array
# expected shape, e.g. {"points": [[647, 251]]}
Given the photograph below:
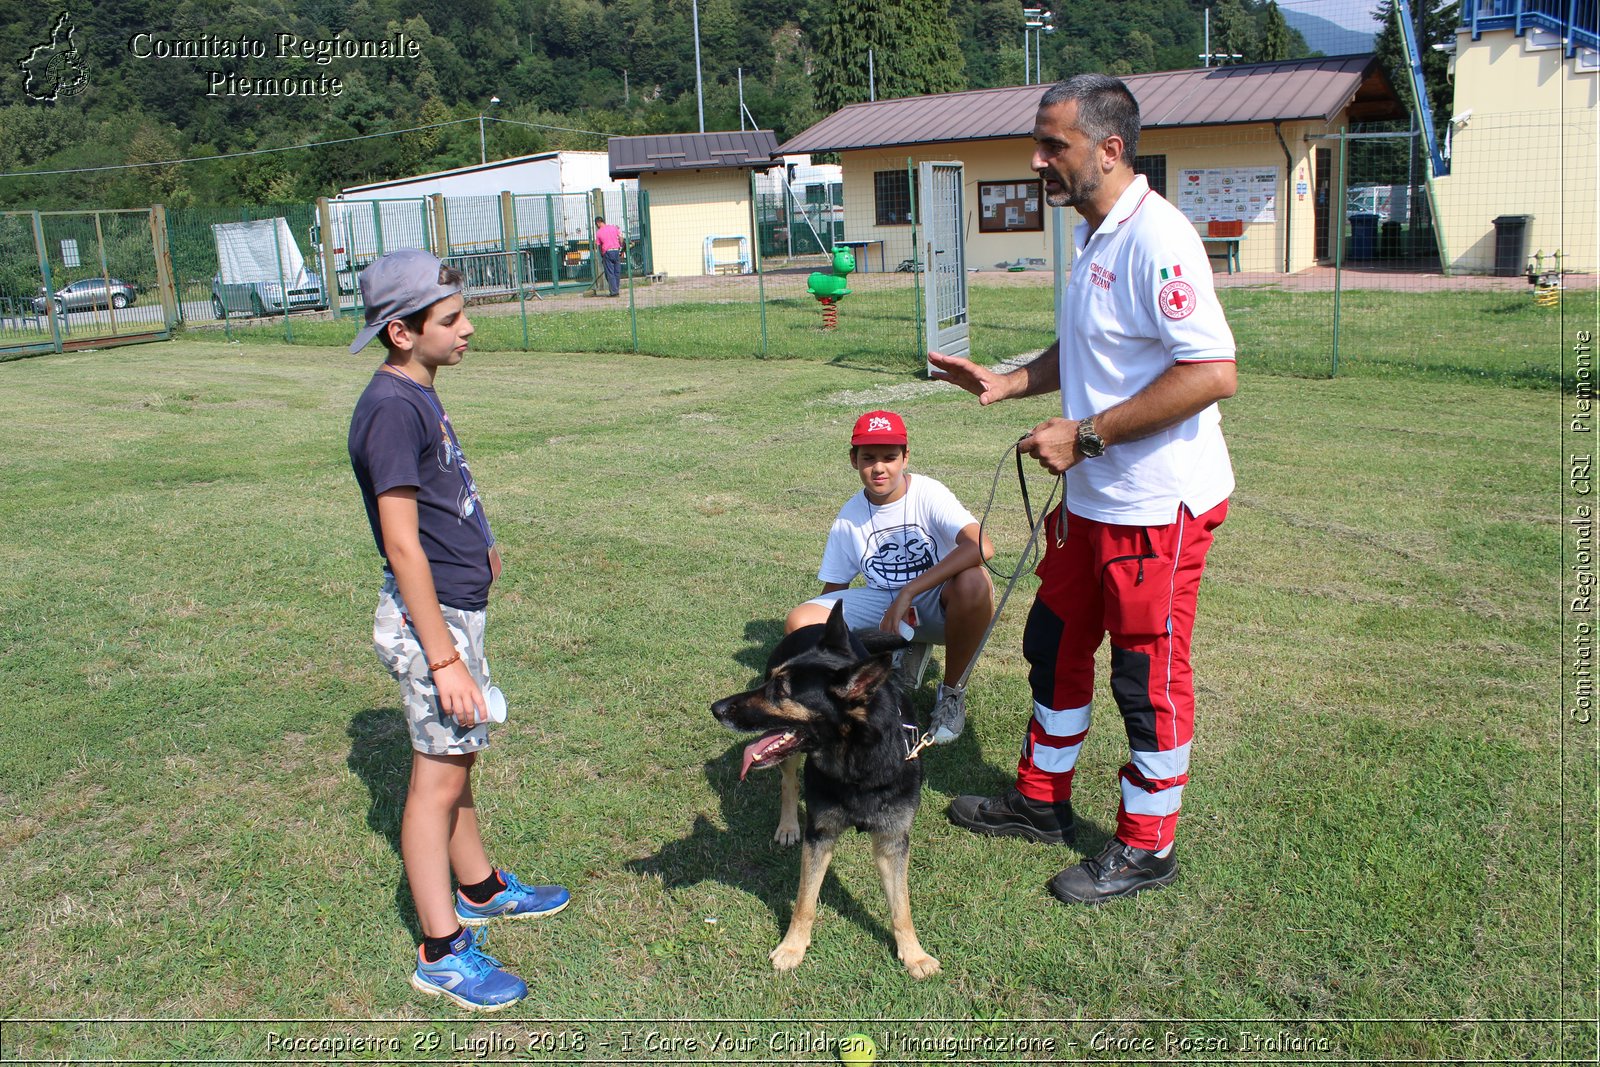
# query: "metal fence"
{"points": [[1401, 269], [524, 246], [75, 279], [198, 237]]}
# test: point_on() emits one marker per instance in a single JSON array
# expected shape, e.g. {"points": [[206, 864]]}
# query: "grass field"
{"points": [[1445, 336], [1387, 843]]}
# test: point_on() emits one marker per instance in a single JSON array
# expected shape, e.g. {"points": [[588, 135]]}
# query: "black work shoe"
{"points": [[1013, 815], [1119, 871]]}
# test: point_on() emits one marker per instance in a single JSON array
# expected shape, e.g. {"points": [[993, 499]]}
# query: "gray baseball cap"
{"points": [[396, 285]]}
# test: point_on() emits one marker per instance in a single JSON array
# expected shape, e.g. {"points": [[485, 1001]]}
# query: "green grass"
{"points": [[203, 765], [1452, 336]]}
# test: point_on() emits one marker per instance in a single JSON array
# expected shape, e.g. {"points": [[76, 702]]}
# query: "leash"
{"points": [[1024, 564]]}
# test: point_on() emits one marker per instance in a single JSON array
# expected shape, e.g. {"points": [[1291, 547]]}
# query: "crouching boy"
{"points": [[921, 555]]}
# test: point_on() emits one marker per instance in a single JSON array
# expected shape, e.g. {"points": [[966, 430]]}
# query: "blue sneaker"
{"points": [[515, 901], [469, 976]]}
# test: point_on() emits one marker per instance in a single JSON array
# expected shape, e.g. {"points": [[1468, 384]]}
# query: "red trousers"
{"points": [[1139, 584]]}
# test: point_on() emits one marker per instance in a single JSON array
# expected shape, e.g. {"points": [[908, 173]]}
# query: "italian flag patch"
{"points": [[1174, 271]]}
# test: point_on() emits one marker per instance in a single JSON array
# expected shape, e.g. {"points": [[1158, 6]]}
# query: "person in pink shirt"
{"points": [[609, 240]]}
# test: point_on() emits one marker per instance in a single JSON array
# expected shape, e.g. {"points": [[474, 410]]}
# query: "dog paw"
{"points": [[788, 833], [787, 957], [924, 966]]}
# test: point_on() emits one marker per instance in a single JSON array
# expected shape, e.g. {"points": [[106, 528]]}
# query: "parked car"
{"points": [[86, 294], [265, 298]]}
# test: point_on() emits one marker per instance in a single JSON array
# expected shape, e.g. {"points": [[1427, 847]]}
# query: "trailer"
{"points": [[524, 219]]}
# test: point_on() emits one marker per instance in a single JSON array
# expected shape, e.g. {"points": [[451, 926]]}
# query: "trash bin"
{"points": [[1511, 245], [1390, 241], [1363, 235]]}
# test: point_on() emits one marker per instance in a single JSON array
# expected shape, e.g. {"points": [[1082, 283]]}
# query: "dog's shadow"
{"points": [[380, 755], [744, 856]]}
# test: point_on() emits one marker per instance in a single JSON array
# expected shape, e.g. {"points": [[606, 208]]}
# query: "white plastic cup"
{"points": [[496, 700]]}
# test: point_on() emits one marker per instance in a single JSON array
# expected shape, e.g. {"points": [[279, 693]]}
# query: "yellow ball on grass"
{"points": [[858, 1049]]}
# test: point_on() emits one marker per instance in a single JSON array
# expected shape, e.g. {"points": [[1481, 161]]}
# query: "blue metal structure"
{"points": [[1578, 21], [1419, 90]]}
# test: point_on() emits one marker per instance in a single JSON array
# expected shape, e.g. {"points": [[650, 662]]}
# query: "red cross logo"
{"points": [[1177, 299]]}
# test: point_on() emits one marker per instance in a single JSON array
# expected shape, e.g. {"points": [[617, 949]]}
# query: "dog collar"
{"points": [[922, 740]]}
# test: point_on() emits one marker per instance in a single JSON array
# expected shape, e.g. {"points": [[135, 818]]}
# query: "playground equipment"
{"points": [[1546, 283], [829, 289]]}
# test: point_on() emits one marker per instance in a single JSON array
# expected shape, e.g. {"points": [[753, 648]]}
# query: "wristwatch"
{"points": [[1090, 444]]}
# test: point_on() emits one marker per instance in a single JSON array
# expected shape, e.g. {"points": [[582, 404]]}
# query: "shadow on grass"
{"points": [[380, 755], [746, 858]]}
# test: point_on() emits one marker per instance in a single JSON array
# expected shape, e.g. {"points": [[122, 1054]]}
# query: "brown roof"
{"points": [[1284, 91], [748, 149]]}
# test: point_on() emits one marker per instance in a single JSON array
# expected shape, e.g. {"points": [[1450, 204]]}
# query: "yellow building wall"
{"points": [[686, 207], [1254, 147], [985, 161], [1009, 160], [1527, 147]]}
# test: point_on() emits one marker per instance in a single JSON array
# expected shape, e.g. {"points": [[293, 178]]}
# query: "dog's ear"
{"points": [[867, 677], [836, 635]]}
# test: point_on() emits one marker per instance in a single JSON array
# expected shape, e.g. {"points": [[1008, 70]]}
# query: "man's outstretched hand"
{"points": [[981, 382]]}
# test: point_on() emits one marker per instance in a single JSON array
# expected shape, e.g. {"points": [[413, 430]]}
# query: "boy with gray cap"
{"points": [[439, 560]]}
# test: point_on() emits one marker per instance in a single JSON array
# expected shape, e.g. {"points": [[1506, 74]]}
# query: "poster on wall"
{"points": [[1008, 207], [1247, 193]]}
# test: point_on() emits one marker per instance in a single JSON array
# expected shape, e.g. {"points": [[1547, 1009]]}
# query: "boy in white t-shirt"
{"points": [[922, 555]]}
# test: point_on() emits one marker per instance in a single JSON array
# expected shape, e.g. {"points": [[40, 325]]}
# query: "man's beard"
{"points": [[1076, 192]]}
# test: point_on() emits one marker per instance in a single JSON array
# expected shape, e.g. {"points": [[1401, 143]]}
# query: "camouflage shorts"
{"points": [[432, 731]]}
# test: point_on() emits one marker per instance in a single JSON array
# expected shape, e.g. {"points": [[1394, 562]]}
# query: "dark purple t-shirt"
{"points": [[397, 439]]}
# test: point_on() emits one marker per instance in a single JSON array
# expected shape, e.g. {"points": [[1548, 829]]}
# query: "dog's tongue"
{"points": [[763, 750]]}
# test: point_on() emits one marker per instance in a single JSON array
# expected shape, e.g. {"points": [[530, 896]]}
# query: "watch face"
{"points": [[1089, 442]]}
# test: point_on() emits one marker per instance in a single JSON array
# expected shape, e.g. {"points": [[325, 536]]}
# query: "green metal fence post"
{"points": [[1340, 209], [918, 260], [49, 285], [283, 284], [105, 270], [755, 257], [627, 261], [550, 241]]}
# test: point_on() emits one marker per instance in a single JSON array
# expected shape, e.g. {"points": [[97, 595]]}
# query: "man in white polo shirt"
{"points": [[1142, 356]]}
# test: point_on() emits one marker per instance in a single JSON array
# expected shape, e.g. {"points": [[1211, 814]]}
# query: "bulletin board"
{"points": [[1246, 193], [1009, 207]]}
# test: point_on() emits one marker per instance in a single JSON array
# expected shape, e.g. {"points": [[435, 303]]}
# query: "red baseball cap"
{"points": [[879, 428]]}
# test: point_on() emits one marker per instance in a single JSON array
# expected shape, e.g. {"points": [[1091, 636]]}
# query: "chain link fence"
{"points": [[76, 279], [1395, 270]]}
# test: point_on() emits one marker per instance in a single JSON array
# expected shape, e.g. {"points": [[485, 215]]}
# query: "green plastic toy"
{"points": [[829, 289]]}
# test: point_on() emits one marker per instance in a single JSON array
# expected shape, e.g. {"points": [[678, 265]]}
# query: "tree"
{"points": [[913, 45], [165, 184], [1434, 24], [1275, 34], [1233, 33], [991, 38]]}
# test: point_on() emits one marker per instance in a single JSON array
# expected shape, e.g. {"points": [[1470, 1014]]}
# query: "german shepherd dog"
{"points": [[831, 694]]}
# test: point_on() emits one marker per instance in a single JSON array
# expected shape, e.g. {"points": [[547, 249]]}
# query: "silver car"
{"points": [[265, 298], [87, 294]]}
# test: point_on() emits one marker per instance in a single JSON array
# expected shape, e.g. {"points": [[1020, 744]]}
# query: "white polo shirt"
{"points": [[1139, 300]]}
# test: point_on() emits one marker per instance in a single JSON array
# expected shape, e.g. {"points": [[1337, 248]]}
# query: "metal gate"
{"points": [[944, 258], [83, 279]]}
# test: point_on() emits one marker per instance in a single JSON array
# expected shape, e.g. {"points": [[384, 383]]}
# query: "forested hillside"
{"points": [[141, 81]]}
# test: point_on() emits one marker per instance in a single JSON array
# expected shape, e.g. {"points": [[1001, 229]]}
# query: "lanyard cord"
{"points": [[460, 455], [913, 751], [1023, 562]]}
